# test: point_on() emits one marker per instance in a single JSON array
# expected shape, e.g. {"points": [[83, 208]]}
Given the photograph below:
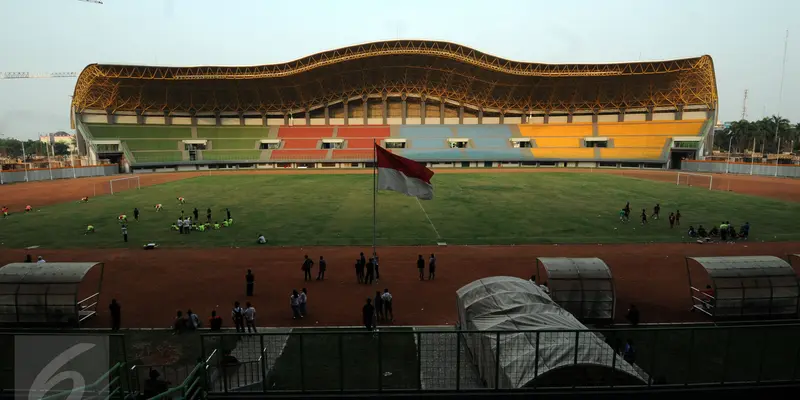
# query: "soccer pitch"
{"points": [[479, 208]]}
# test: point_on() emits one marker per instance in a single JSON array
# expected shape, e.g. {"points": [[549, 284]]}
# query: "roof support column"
{"points": [[524, 118], [422, 113], [139, 117], [241, 118], [649, 115], [308, 116], [384, 108], [679, 113], [346, 112], [502, 116], [286, 118], [460, 112], [595, 119], [217, 119], [403, 108], [480, 116], [621, 115], [109, 116], [546, 118], [327, 114], [441, 111], [193, 116], [167, 118], [263, 118], [365, 108], [570, 112]]}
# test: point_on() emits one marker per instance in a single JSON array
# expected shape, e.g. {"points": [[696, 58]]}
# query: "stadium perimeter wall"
{"points": [[721, 167], [58, 173]]}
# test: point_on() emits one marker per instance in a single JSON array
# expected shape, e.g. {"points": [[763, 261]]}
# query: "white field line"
{"points": [[429, 218]]}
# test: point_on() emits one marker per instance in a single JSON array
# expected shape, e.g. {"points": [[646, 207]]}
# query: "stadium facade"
{"points": [[439, 103]]}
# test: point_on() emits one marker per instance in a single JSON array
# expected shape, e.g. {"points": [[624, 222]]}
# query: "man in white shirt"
{"points": [[180, 225], [250, 317], [261, 239], [302, 300], [387, 305], [41, 260], [187, 225]]}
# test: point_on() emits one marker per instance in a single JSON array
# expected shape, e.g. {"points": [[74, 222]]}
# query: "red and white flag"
{"points": [[403, 175]]}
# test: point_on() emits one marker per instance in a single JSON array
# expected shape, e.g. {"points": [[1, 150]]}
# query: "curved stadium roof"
{"points": [[417, 68]]}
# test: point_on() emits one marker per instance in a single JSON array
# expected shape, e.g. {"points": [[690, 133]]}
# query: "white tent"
{"points": [[537, 339]]}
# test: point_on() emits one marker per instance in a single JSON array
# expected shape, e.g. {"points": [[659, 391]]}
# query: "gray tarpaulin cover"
{"points": [[510, 304]]}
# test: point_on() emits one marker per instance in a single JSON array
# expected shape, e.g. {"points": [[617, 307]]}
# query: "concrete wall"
{"points": [[581, 118], [152, 120], [58, 173], [94, 119], [181, 120], [663, 116], [694, 115], [783, 171]]}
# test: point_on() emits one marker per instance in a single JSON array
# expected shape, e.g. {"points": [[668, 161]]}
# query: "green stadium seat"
{"points": [[152, 144], [232, 132], [156, 156], [233, 144], [139, 132], [232, 155]]}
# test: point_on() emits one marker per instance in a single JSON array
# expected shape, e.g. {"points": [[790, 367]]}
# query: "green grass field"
{"points": [[337, 210]]}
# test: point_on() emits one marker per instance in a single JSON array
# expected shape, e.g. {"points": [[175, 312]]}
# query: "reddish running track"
{"points": [[151, 285]]}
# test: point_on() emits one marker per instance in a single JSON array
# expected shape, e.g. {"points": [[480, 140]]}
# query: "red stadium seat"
{"points": [[297, 144], [360, 143], [305, 132], [353, 154], [345, 132], [298, 155]]}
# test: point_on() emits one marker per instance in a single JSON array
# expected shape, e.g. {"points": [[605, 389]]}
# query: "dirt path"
{"points": [[151, 285]]}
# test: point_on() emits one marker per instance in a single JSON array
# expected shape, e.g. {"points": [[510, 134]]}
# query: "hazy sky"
{"points": [[745, 38]]}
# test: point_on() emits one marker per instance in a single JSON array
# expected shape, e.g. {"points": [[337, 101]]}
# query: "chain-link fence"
{"points": [[433, 360]]}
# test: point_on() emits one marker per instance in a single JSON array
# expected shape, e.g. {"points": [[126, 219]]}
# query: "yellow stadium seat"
{"points": [[584, 153], [557, 142], [651, 128], [617, 153], [578, 130]]}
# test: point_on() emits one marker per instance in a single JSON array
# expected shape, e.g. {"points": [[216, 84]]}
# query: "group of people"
{"points": [[674, 217], [4, 210], [431, 267], [185, 224], [379, 311], [367, 271], [726, 232]]}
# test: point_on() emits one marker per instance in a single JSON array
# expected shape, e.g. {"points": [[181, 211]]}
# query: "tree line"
{"points": [[12, 148], [768, 133]]}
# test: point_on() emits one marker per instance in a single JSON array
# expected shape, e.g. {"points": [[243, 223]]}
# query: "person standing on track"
{"points": [[377, 271], [323, 265], [250, 317], [387, 305], [116, 315], [238, 317], [370, 273], [421, 267], [379, 305], [432, 268], [359, 271], [307, 265], [368, 315], [250, 279]]}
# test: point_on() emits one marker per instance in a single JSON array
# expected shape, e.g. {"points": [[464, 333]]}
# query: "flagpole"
{"points": [[374, 195]]}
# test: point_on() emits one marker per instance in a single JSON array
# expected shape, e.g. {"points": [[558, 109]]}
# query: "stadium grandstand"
{"points": [[439, 103]]}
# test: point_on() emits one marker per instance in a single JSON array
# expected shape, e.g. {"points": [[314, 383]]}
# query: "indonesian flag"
{"points": [[403, 175]]}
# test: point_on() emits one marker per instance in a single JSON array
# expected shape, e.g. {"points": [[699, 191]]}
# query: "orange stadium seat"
{"points": [[556, 130], [353, 154], [630, 153], [360, 143], [298, 154], [298, 144], [363, 132], [651, 128], [557, 142], [640, 141], [305, 132]]}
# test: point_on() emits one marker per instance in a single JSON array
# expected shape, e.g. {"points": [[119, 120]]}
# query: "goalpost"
{"points": [[117, 185], [691, 179]]}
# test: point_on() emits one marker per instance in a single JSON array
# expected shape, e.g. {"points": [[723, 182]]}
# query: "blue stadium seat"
{"points": [[489, 142], [428, 143], [484, 131], [510, 154], [422, 132]]}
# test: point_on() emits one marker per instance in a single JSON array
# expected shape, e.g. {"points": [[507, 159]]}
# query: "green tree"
{"points": [[60, 149]]}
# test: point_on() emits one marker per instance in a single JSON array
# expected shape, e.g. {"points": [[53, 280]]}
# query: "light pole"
{"points": [[24, 161], [727, 165]]}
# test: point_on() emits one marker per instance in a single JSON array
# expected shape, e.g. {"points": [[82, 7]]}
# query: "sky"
{"points": [[745, 39]]}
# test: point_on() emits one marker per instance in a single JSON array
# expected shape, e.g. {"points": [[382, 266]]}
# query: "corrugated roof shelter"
{"points": [[749, 286], [517, 335], [582, 286], [46, 293]]}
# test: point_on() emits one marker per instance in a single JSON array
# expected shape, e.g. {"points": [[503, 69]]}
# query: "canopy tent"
{"points": [[582, 286], [750, 286], [517, 336], [46, 293]]}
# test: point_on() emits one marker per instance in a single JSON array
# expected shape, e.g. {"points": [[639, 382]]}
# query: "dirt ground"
{"points": [[151, 285]]}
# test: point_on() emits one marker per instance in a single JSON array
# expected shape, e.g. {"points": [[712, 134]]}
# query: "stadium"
{"points": [[538, 265], [434, 102]]}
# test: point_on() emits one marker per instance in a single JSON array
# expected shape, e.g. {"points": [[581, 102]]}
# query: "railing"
{"points": [[192, 387], [449, 360], [702, 301], [108, 386], [87, 311]]}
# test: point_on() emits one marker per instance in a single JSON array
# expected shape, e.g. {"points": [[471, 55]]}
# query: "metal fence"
{"points": [[741, 168], [32, 175], [446, 360]]}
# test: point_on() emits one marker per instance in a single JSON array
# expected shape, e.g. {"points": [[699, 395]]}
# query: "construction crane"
{"points": [[92, 1], [28, 75]]}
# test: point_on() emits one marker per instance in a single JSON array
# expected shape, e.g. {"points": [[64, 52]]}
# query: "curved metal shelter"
{"points": [[46, 293], [582, 286], [517, 336], [749, 286]]}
